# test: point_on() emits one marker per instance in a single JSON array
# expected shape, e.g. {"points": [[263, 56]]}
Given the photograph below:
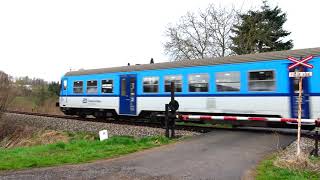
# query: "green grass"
{"points": [[266, 171], [77, 151]]}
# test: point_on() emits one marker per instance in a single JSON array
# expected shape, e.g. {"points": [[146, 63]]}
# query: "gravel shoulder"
{"points": [[306, 144], [87, 126]]}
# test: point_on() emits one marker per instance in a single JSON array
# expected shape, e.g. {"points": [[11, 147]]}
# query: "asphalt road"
{"points": [[221, 154]]}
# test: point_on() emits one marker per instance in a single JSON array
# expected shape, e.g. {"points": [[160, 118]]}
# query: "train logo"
{"points": [[84, 100]]}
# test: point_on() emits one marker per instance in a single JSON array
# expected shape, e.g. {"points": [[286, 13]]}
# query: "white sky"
{"points": [[44, 39]]}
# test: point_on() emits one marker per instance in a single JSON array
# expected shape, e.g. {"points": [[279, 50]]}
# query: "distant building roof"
{"points": [[276, 55]]}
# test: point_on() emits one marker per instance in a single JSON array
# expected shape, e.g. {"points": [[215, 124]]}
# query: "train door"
{"points": [[64, 91], [128, 94], [294, 96]]}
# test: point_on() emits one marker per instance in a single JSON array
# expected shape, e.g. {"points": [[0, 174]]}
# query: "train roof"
{"points": [[276, 55]]}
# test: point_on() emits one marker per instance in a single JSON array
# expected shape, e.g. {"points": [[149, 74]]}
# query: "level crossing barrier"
{"points": [[315, 122]]}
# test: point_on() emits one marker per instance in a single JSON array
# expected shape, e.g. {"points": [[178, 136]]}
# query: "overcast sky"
{"points": [[45, 39]]}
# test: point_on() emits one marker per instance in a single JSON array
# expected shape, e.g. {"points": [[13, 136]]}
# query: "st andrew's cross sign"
{"points": [[302, 63]]}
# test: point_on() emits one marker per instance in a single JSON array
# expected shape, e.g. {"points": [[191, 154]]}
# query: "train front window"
{"points": [[107, 86], [65, 83], [228, 81], [78, 87], [262, 81], [92, 87], [177, 79], [198, 83], [151, 84]]}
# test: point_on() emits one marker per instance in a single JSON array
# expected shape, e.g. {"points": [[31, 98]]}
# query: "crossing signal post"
{"points": [[303, 62], [170, 114]]}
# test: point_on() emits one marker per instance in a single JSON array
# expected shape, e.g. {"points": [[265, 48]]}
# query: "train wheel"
{"points": [[162, 122], [100, 115], [115, 117], [158, 119]]}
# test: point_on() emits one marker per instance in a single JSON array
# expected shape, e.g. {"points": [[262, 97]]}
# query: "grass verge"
{"points": [[76, 151], [266, 170]]}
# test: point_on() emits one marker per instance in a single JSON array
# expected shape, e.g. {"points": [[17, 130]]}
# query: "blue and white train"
{"points": [[247, 85]]}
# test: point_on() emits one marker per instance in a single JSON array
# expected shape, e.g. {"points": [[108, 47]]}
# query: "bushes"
{"points": [[35, 97], [4, 91]]}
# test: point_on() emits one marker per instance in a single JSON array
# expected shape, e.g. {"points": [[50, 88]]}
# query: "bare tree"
{"points": [[4, 91], [206, 34]]}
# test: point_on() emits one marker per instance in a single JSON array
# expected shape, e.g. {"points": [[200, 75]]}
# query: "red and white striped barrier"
{"points": [[315, 122]]}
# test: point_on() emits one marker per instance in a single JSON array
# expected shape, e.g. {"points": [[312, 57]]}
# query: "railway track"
{"points": [[126, 121], [147, 123]]}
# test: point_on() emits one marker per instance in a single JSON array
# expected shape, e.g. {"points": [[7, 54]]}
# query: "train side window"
{"points": [[198, 83], [151, 84], [107, 86], [78, 87], [228, 81], [262, 81], [92, 87], [65, 84], [177, 79]]}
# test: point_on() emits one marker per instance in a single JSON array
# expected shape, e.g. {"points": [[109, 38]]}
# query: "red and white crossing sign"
{"points": [[302, 62]]}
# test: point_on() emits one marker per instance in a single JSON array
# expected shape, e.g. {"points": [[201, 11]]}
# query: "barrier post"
{"points": [[166, 121], [173, 126], [170, 114], [172, 90], [173, 111], [316, 142]]}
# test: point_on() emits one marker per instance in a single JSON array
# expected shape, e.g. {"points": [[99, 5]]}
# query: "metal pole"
{"points": [[173, 111], [172, 90], [166, 121], [173, 128], [316, 142]]}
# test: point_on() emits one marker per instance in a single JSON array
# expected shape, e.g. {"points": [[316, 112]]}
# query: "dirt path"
{"points": [[217, 155]]}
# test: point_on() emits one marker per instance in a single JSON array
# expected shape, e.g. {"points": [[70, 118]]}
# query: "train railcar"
{"points": [[253, 84]]}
